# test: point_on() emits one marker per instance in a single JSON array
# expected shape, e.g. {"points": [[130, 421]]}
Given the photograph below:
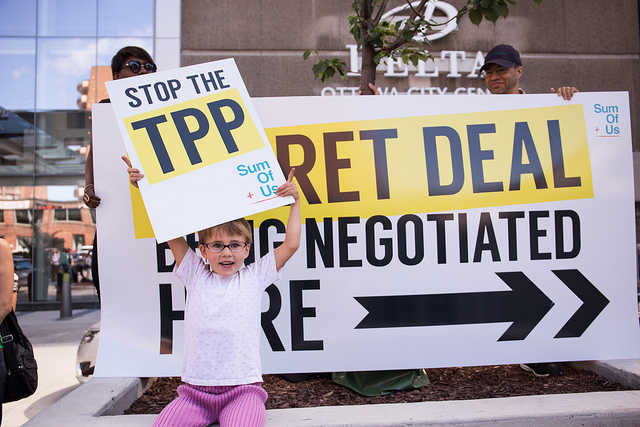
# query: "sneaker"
{"points": [[542, 369]]}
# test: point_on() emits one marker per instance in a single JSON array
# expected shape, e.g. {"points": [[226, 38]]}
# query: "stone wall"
{"points": [[593, 45]]}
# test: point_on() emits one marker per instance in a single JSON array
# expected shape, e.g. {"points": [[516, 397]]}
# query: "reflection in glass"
{"points": [[63, 63], [18, 18], [117, 18], [62, 142], [18, 73], [23, 216], [51, 53], [67, 18]]}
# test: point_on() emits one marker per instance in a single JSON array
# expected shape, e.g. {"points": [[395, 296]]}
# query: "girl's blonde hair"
{"points": [[237, 227]]}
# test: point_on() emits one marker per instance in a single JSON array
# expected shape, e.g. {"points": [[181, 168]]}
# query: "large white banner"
{"points": [[436, 232]]}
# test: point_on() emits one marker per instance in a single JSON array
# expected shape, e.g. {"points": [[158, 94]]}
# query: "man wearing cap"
{"points": [[502, 71]]}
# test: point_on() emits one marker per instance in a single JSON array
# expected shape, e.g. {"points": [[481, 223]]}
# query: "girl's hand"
{"points": [[289, 188], [134, 174]]}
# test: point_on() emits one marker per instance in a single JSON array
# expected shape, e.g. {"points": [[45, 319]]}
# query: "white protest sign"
{"points": [[434, 234], [195, 135]]}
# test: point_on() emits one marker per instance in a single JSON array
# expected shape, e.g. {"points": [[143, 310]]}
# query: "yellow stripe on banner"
{"points": [[141, 223], [178, 139], [437, 163]]}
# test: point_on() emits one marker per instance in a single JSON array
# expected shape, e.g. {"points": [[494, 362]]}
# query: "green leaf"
{"points": [[318, 68], [328, 74], [306, 54], [475, 16], [501, 10], [490, 15]]}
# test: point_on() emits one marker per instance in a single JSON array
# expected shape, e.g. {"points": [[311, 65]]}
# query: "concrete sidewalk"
{"points": [[99, 401], [59, 401]]}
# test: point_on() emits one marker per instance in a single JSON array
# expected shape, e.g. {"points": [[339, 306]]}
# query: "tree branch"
{"points": [[381, 10]]}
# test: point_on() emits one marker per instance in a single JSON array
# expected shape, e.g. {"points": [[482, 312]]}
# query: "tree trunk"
{"points": [[368, 71]]}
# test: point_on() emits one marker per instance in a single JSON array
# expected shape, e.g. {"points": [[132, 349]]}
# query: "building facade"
{"points": [[51, 52], [58, 53]]}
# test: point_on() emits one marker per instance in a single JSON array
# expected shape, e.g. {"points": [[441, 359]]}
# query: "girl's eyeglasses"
{"points": [[136, 66], [219, 247]]}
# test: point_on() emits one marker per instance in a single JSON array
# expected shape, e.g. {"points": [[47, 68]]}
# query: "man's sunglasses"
{"points": [[136, 66]]}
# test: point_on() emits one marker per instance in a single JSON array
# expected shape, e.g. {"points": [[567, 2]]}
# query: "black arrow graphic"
{"points": [[593, 302], [524, 305]]}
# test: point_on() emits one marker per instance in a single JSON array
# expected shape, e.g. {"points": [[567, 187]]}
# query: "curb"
{"points": [[101, 401]]}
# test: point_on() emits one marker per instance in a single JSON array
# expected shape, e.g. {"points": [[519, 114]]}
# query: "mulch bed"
{"points": [[478, 382]]}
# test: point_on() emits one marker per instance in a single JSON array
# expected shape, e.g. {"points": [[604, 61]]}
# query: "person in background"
{"points": [[7, 283], [130, 61], [502, 71]]}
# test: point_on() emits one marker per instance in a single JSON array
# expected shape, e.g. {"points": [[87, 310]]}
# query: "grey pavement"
{"points": [[55, 342]]}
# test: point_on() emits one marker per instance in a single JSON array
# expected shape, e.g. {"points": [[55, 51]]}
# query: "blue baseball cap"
{"points": [[504, 55]]}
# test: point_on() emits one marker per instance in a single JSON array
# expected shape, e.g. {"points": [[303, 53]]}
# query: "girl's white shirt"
{"points": [[222, 321]]}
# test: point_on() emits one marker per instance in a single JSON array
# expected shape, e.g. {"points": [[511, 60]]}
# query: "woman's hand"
{"points": [[89, 198]]}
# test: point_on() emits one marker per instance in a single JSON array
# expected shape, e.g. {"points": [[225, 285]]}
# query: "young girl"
{"points": [[221, 365]]}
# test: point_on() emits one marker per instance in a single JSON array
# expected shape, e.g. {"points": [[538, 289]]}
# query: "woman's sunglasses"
{"points": [[136, 66]]}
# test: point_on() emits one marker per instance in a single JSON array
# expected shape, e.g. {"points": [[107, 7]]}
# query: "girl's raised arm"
{"points": [[292, 237]]}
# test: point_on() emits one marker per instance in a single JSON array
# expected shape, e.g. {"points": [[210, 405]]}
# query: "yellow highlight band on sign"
{"points": [[141, 223], [437, 163], [178, 139]]}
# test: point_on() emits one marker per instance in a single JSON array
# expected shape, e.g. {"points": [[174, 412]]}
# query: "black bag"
{"points": [[22, 370]]}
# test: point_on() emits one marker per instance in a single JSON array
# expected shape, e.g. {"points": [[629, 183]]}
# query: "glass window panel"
{"points": [[60, 215], [63, 64], [74, 215], [23, 245], [23, 216], [16, 148], [18, 18], [62, 142], [78, 241], [117, 18], [17, 74], [64, 18]]}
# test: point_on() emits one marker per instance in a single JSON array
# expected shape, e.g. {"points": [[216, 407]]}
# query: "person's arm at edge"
{"points": [[90, 199], [6, 279], [566, 92], [291, 242]]}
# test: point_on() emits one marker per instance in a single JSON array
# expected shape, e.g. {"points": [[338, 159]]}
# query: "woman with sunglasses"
{"points": [[130, 61]]}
